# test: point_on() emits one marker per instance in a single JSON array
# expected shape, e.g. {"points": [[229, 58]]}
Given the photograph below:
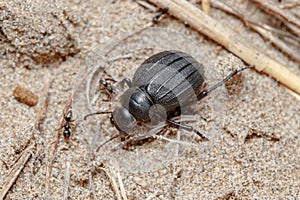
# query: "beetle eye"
{"points": [[123, 119]]}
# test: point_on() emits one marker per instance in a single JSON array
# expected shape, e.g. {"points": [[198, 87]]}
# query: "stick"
{"points": [[290, 20], [230, 40], [118, 175], [111, 175], [16, 170], [67, 181], [89, 160], [264, 30], [56, 137], [53, 146], [289, 5], [283, 15], [205, 6], [43, 107]]}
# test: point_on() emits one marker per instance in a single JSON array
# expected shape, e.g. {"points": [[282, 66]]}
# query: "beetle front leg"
{"points": [[126, 81]]}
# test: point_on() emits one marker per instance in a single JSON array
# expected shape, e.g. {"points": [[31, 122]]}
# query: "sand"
{"points": [[254, 147]]}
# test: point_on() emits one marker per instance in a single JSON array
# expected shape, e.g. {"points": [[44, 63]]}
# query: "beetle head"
{"points": [[123, 119]]}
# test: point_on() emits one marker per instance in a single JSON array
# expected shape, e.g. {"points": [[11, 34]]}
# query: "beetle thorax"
{"points": [[138, 103]]}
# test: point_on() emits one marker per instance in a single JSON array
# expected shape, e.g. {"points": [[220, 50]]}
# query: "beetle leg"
{"points": [[106, 85], [204, 93], [159, 16], [188, 128], [107, 141], [126, 81]]}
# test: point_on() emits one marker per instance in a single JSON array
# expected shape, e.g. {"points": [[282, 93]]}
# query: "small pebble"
{"points": [[25, 96]]}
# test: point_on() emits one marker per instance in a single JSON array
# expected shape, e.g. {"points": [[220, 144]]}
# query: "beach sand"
{"points": [[254, 147]]}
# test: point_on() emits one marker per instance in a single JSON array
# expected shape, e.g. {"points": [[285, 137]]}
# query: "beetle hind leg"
{"points": [[188, 128]]}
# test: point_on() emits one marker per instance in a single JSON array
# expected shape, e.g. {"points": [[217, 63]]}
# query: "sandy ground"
{"points": [[254, 145]]}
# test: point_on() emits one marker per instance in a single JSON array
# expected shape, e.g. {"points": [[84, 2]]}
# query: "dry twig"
{"points": [[232, 41], [53, 145], [43, 107], [16, 169], [55, 139], [146, 5], [113, 182], [276, 11], [263, 29], [90, 175], [122, 188], [205, 6], [289, 19], [289, 5], [31, 149], [67, 180], [113, 173]]}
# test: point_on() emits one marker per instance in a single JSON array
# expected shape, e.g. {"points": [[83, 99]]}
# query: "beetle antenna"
{"points": [[227, 78], [97, 113]]}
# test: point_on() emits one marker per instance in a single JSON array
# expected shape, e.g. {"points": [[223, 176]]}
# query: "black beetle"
{"points": [[162, 85]]}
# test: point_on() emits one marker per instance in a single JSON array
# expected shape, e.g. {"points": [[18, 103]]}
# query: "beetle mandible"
{"points": [[162, 84]]}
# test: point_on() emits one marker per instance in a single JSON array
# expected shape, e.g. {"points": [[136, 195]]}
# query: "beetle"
{"points": [[162, 85]]}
